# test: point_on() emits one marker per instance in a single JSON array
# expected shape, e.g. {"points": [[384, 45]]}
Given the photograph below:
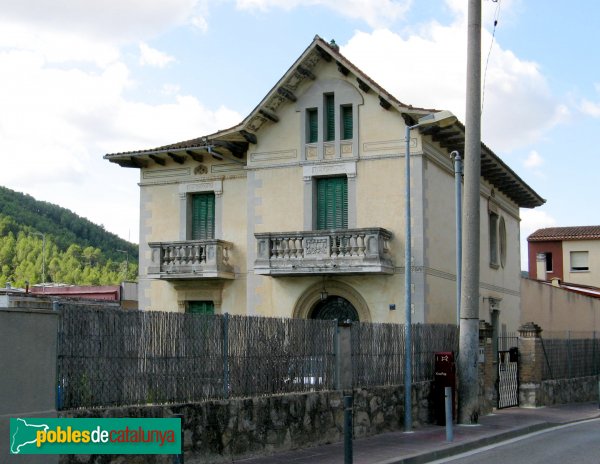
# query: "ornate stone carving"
{"points": [[316, 246], [200, 170]]}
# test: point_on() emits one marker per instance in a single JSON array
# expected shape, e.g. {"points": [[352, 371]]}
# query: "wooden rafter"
{"points": [[363, 85], [157, 159], [306, 72], [286, 93], [195, 156], [249, 136], [269, 115], [343, 69], [384, 103], [177, 158]]}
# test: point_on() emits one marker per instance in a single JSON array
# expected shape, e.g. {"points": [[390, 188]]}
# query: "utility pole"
{"points": [[468, 405], [41, 234]]}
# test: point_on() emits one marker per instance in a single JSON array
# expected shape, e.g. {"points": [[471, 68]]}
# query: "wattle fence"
{"points": [[109, 357]]}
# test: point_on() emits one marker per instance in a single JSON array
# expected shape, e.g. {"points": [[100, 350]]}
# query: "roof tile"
{"points": [[565, 233]]}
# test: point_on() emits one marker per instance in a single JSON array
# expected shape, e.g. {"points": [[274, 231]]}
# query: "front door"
{"points": [[335, 307]]}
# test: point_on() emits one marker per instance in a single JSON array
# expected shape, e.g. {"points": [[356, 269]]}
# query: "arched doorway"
{"points": [[334, 307]]}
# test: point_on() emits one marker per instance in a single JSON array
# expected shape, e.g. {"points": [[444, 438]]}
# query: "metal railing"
{"points": [[570, 354]]}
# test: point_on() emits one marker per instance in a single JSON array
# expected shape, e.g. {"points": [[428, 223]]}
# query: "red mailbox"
{"points": [[445, 376]]}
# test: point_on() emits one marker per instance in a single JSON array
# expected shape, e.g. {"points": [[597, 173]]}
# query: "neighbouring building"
{"points": [[298, 211], [570, 254], [42, 296]]}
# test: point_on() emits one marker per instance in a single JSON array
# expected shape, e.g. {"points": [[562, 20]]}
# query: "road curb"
{"points": [[470, 445]]}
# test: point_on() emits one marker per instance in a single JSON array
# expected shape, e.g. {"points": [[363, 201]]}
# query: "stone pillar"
{"points": [[530, 365], [487, 369]]}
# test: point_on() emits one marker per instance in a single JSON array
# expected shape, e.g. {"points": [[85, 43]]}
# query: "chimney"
{"points": [[540, 267]]}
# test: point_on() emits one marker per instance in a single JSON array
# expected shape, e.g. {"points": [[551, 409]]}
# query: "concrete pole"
{"points": [[407, 292], [458, 171], [468, 405]]}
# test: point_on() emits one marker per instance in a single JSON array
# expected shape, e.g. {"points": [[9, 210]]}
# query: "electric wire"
{"points": [[487, 62]]}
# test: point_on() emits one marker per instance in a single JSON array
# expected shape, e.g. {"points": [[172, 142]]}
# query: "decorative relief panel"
{"points": [[274, 155], [312, 153], [346, 149], [211, 186], [315, 247], [348, 168], [311, 61], [256, 123], [226, 167], [395, 145], [275, 102], [176, 172]]}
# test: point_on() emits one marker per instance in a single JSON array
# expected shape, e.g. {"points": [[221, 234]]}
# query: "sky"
{"points": [[82, 78]]}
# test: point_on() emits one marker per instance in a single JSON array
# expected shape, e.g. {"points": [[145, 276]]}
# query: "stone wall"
{"points": [[563, 391], [217, 431]]}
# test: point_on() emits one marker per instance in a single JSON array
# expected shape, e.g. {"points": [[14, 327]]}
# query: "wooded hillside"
{"points": [[77, 251]]}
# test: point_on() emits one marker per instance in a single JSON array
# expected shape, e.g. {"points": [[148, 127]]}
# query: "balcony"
{"points": [[190, 259], [324, 252]]}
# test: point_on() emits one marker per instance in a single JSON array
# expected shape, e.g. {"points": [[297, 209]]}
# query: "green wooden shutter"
{"points": [[329, 118], [201, 307], [347, 129], [313, 125], [203, 216], [332, 203]]}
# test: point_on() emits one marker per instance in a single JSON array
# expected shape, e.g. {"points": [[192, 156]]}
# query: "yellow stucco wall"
{"points": [[497, 282], [591, 277], [555, 309], [270, 195]]}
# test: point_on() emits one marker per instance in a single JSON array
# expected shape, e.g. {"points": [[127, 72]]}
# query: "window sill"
{"points": [[579, 271]]}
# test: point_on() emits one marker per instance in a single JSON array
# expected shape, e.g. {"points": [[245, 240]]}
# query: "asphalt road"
{"points": [[573, 443]]}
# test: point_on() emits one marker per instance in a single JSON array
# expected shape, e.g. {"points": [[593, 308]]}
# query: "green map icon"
{"points": [[24, 434]]}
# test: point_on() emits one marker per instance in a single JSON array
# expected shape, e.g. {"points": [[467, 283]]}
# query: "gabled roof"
{"points": [[233, 143], [565, 233]]}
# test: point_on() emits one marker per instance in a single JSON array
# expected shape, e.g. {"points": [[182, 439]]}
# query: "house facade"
{"points": [[570, 254], [298, 211]]}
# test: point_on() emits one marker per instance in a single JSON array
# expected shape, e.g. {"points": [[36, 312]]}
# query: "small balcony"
{"points": [[324, 252], [191, 259]]}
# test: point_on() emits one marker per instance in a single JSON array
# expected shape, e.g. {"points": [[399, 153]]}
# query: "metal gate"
{"points": [[508, 378]]}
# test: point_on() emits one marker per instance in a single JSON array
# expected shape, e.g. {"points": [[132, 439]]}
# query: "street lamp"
{"points": [[442, 119], [43, 259]]}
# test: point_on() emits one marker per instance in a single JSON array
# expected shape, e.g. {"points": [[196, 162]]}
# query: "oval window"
{"points": [[502, 237]]}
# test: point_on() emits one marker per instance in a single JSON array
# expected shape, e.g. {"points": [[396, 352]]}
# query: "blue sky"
{"points": [[81, 79]]}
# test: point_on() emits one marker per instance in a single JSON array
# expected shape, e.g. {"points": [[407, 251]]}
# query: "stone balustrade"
{"points": [[190, 259], [335, 251]]}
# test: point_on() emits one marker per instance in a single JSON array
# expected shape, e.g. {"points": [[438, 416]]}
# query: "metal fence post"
{"points": [[569, 354], [226, 355], [348, 430], [448, 407], [178, 458], [336, 353]]}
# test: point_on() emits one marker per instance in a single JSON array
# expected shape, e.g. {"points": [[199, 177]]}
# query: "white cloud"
{"points": [[60, 115], [108, 20], [427, 68], [534, 160], [532, 220], [200, 22], [375, 13], [590, 108], [151, 57]]}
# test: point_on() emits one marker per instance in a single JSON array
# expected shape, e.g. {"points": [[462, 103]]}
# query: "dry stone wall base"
{"points": [[217, 431]]}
